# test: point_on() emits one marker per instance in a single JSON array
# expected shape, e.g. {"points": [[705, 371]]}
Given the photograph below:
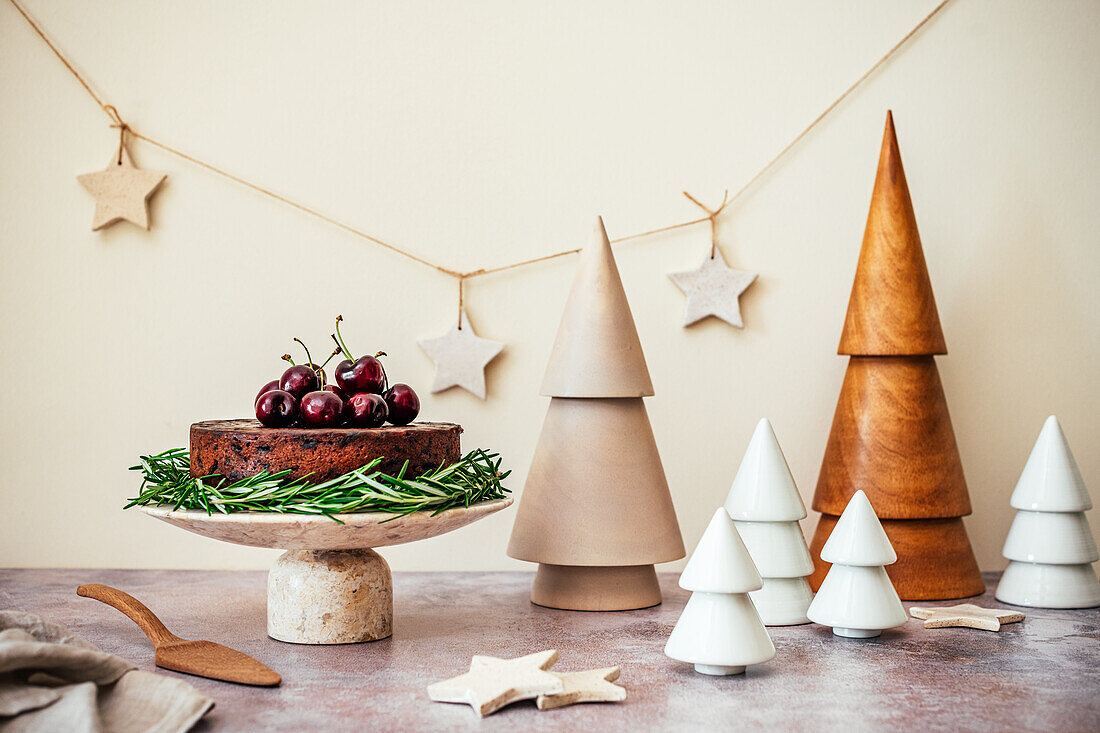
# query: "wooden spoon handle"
{"points": [[132, 607]]}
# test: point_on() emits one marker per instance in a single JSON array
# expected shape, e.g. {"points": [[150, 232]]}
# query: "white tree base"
{"points": [[719, 669], [329, 597], [856, 633], [1049, 586]]}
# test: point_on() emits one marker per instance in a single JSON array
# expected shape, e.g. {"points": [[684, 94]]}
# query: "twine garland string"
{"points": [[461, 276]]}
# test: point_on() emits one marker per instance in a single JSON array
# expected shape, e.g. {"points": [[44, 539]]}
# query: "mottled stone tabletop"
{"points": [[1042, 674]]}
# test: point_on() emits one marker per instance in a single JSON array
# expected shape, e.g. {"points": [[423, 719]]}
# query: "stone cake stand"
{"points": [[328, 587]]}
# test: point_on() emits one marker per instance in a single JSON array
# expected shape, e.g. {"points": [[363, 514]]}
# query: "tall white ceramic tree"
{"points": [[765, 506], [720, 631], [857, 598], [1049, 545]]}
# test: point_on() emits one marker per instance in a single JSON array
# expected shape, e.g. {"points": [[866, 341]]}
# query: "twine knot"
{"points": [[712, 217], [120, 124], [116, 118]]}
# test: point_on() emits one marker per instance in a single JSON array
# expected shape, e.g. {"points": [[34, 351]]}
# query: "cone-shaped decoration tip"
{"points": [[1051, 480], [597, 352], [763, 489], [720, 562], [892, 310], [858, 538]]}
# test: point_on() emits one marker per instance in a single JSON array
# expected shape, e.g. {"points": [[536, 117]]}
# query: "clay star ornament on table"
{"points": [[122, 191], [966, 614], [493, 683], [460, 357], [591, 685], [713, 289]]}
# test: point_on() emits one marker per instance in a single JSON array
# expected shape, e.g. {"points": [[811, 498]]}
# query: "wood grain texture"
{"points": [[935, 561], [237, 449], [202, 658], [892, 437], [891, 434], [138, 612], [892, 310]]}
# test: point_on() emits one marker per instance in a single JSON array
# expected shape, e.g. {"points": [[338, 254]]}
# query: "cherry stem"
{"points": [[286, 357], [306, 349], [339, 337], [335, 351], [309, 359], [385, 377]]}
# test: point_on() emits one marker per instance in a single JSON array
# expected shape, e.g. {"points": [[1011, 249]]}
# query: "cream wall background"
{"points": [[481, 133]]}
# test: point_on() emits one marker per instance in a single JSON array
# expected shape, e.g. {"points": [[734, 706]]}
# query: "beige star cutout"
{"points": [[966, 614], [713, 289], [122, 191], [460, 357], [493, 683], [591, 685]]}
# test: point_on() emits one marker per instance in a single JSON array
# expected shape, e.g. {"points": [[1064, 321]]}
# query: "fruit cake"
{"points": [[238, 449]]}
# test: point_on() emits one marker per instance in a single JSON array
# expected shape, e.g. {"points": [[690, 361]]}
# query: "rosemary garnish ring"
{"points": [[166, 480]]}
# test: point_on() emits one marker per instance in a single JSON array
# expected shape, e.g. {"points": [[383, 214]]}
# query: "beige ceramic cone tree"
{"points": [[596, 513]]}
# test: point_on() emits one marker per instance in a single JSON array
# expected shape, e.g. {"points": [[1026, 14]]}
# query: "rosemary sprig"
{"points": [[166, 480]]}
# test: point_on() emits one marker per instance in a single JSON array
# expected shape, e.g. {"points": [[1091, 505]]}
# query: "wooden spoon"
{"points": [[202, 658]]}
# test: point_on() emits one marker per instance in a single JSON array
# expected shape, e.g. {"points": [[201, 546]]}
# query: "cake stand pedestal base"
{"points": [[329, 597], [595, 588]]}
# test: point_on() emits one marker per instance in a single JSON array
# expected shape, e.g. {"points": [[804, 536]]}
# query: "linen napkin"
{"points": [[53, 680]]}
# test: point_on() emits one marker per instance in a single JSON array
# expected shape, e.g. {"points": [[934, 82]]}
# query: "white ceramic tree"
{"points": [[1049, 545], [765, 506], [720, 631], [857, 598]]}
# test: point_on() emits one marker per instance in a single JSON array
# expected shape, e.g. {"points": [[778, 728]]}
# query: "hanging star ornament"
{"points": [[460, 357], [713, 289], [493, 683], [966, 614], [121, 191]]}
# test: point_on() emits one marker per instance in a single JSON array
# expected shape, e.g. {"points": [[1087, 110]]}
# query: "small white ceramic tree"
{"points": [[765, 506], [720, 631], [1049, 545], [857, 598]]}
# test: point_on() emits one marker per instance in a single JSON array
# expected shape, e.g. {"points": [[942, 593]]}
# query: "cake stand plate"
{"points": [[329, 587]]}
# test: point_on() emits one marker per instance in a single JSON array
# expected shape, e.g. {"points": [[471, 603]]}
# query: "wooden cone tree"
{"points": [[596, 513], [891, 434]]}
